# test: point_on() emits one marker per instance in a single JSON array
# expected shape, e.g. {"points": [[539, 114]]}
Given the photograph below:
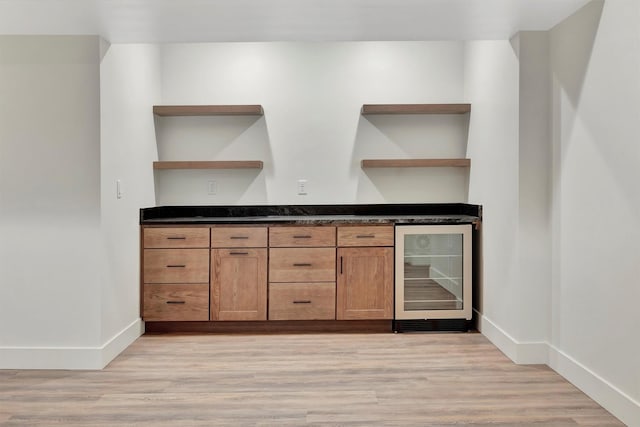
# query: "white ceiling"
{"points": [[128, 21]]}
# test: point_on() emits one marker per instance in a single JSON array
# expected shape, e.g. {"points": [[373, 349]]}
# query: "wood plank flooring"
{"points": [[301, 380]]}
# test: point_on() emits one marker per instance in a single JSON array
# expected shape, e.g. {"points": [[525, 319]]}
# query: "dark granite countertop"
{"points": [[322, 219], [314, 214]]}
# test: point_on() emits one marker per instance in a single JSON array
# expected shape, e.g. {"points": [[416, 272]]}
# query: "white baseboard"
{"points": [[522, 353], [72, 358], [604, 393], [123, 339]]}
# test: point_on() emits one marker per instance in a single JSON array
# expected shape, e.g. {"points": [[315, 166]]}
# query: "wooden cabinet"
{"points": [[302, 264], [174, 237], [254, 273], [296, 237], [376, 235], [364, 288], [176, 266], [302, 273], [176, 302], [239, 273], [239, 284], [239, 237], [302, 301], [175, 274]]}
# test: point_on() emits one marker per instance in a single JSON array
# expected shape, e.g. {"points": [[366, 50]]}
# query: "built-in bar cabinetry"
{"points": [[308, 267], [267, 272]]}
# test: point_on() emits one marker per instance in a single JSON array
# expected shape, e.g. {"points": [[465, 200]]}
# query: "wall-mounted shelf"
{"points": [[415, 109], [415, 163], [217, 164], [208, 110]]}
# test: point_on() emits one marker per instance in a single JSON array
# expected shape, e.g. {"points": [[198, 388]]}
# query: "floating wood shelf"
{"points": [[217, 164], [208, 110], [415, 108], [415, 163]]}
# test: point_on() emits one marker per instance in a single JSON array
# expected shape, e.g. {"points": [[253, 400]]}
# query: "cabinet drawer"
{"points": [[176, 302], [239, 237], [289, 237], [377, 235], [302, 301], [176, 266], [176, 237], [302, 265]]}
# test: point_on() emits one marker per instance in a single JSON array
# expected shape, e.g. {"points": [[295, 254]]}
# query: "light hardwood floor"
{"points": [[301, 380]]}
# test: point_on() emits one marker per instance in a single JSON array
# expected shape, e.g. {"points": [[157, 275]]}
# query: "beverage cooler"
{"points": [[433, 277]]}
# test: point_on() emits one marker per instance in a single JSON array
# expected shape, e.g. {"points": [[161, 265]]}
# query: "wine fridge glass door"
{"points": [[433, 272]]}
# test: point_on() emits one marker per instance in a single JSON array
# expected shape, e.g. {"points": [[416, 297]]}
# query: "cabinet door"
{"points": [[239, 284], [365, 283]]}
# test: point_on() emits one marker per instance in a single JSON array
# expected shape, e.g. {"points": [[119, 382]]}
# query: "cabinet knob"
{"points": [[365, 236], [302, 302], [238, 253], [175, 302], [306, 236], [176, 238], [176, 266], [239, 237], [302, 264]]}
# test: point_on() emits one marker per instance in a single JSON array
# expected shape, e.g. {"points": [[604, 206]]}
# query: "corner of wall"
{"points": [[70, 358]]}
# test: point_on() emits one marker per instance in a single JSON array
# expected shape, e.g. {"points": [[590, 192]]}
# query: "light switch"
{"points": [[119, 191], [212, 188], [302, 187]]}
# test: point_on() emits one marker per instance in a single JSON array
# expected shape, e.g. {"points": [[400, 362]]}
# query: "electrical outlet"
{"points": [[212, 188], [302, 187]]}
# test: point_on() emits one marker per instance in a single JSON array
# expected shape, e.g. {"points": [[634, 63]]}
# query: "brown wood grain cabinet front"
{"points": [[239, 273], [364, 288], [302, 264], [178, 302], [162, 238], [239, 284], [294, 237], [175, 273], [376, 235], [239, 237], [176, 265], [365, 283], [267, 272], [302, 301]]}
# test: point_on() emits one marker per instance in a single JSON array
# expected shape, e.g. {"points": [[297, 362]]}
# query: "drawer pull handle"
{"points": [[306, 236], [176, 238], [365, 236], [302, 302], [302, 264], [175, 302], [176, 266], [238, 253], [239, 237]]}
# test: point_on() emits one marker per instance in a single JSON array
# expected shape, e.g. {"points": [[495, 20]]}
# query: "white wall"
{"points": [[49, 200], [595, 59], [491, 84], [129, 85], [533, 295], [312, 129]]}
